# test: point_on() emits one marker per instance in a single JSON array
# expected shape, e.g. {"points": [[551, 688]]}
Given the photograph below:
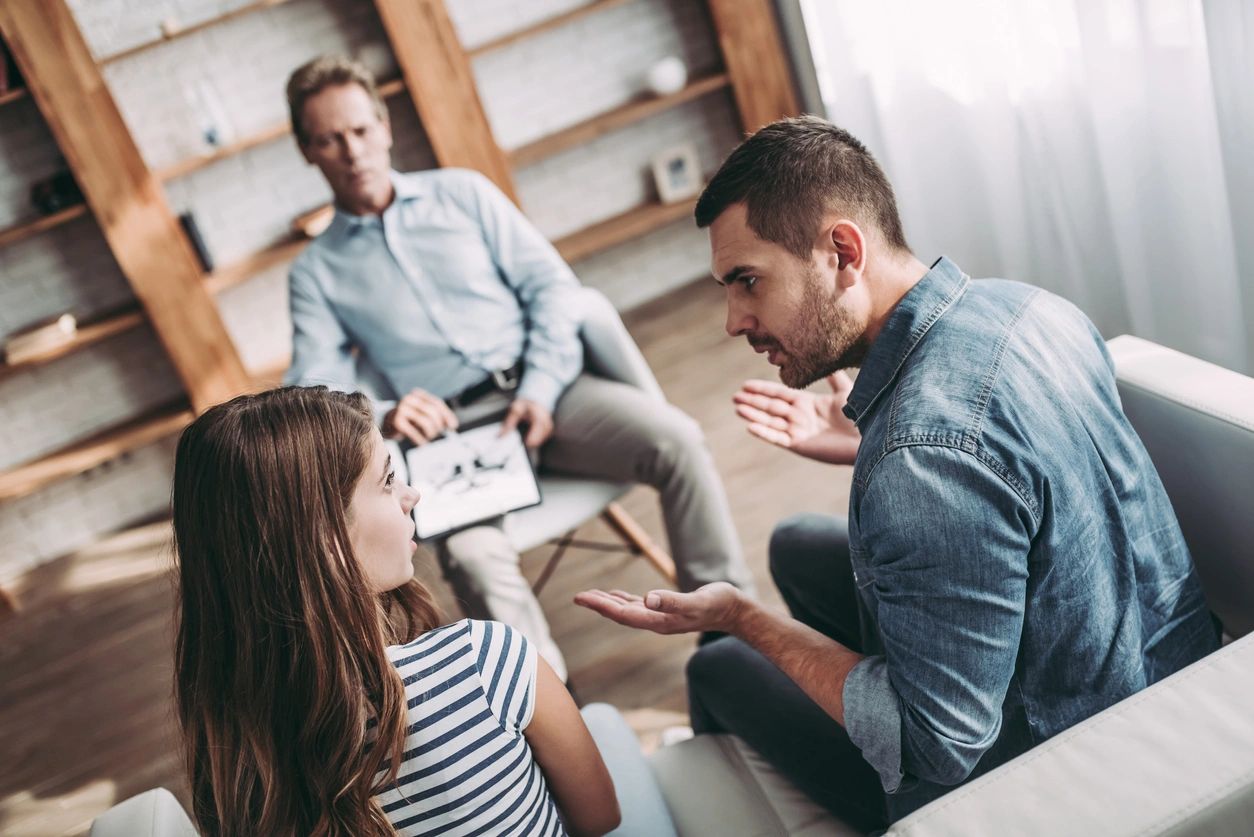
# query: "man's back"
{"points": [[1061, 581]]}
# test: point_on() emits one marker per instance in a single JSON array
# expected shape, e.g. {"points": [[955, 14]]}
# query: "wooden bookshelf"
{"points": [[86, 335], [240, 11], [612, 120], [14, 95], [241, 271], [87, 454], [387, 90], [621, 228], [20, 232], [544, 26]]}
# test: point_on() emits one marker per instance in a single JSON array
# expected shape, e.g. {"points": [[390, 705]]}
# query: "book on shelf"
{"points": [[39, 339]]}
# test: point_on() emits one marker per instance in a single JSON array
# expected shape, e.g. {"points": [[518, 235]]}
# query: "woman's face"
{"points": [[380, 526]]}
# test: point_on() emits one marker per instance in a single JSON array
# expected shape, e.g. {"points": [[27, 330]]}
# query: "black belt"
{"points": [[504, 380]]}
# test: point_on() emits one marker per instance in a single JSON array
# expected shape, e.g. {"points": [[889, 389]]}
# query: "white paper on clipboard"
{"points": [[468, 477]]}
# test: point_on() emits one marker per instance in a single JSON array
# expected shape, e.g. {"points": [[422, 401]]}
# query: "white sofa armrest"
{"points": [[1174, 759]]}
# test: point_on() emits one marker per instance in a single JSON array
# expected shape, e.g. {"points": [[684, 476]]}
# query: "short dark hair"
{"points": [[322, 72], [791, 172]]}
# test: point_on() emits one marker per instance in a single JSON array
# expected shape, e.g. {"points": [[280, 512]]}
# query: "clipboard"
{"points": [[469, 476]]}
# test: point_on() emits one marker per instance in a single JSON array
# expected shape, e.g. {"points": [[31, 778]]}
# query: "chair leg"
{"points": [[9, 605], [634, 535], [563, 544]]}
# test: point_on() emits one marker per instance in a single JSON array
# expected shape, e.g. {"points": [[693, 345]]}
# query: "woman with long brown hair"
{"points": [[316, 692]]}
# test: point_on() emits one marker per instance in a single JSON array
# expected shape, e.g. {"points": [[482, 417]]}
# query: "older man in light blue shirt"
{"points": [[457, 300]]}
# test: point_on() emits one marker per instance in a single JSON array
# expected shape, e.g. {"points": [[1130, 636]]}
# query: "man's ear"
{"points": [[848, 244]]}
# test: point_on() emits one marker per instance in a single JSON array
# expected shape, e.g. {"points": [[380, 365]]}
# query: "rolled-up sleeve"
{"points": [[944, 540]]}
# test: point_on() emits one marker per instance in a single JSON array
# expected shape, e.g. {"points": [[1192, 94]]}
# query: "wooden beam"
{"points": [[126, 198], [754, 54], [437, 73]]}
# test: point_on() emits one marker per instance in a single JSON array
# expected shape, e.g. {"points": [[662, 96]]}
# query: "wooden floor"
{"points": [[85, 667]]}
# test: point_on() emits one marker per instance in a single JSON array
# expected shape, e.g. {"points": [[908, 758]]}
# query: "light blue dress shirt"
{"points": [[449, 284]]}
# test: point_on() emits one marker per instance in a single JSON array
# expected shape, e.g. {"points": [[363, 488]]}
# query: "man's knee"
{"points": [[479, 552], [715, 664], [674, 437], [797, 542]]}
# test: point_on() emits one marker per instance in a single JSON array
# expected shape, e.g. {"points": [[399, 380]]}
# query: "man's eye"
{"points": [[749, 282]]}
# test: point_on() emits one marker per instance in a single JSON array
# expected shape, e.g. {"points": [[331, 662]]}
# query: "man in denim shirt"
{"points": [[1011, 564]]}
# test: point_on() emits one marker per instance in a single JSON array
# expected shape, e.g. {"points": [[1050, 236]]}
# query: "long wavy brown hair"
{"points": [[293, 717]]}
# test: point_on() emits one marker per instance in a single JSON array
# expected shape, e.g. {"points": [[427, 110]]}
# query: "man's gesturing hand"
{"points": [[537, 419], [807, 423], [419, 417], [714, 607]]}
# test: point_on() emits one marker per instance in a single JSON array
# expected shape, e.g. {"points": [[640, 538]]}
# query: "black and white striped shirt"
{"points": [[467, 768]]}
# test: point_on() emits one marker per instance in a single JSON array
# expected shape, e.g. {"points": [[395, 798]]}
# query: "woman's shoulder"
{"points": [[486, 640], [448, 638]]}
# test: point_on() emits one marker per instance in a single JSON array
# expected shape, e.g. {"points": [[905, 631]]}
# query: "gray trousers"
{"points": [[611, 430]]}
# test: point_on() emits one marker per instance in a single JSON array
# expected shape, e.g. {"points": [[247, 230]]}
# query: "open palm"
{"points": [[810, 424]]}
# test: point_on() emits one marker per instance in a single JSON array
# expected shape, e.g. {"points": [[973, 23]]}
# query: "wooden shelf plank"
{"points": [[85, 455], [241, 271], [87, 335], [20, 232], [387, 89], [200, 161], [612, 120], [12, 95], [621, 228], [247, 8], [544, 25]]}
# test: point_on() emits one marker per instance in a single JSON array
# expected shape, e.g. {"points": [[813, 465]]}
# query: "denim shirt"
{"points": [[1017, 557], [449, 284]]}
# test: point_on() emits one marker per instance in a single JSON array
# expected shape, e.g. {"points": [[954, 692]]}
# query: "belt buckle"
{"points": [[506, 380]]}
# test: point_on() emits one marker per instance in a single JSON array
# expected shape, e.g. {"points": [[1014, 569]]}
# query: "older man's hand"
{"points": [[714, 607]]}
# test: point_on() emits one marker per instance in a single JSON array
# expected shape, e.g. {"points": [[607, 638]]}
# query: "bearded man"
{"points": [[1010, 564]]}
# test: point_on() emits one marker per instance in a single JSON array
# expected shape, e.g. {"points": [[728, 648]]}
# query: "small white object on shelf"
{"points": [[39, 339], [667, 76]]}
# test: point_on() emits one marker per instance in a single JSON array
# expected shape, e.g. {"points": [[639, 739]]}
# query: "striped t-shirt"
{"points": [[467, 768]]}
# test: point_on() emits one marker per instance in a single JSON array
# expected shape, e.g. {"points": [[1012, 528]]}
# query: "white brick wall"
{"points": [[43, 408], [241, 204], [547, 82], [66, 269], [70, 514]]}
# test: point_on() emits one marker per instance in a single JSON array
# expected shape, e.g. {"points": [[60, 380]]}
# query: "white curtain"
{"points": [[1103, 149]]}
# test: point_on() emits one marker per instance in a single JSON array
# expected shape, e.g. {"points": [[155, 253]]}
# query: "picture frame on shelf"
{"points": [[677, 173]]}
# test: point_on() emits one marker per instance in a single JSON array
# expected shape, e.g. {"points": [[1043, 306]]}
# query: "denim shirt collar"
{"points": [[909, 321], [346, 222]]}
